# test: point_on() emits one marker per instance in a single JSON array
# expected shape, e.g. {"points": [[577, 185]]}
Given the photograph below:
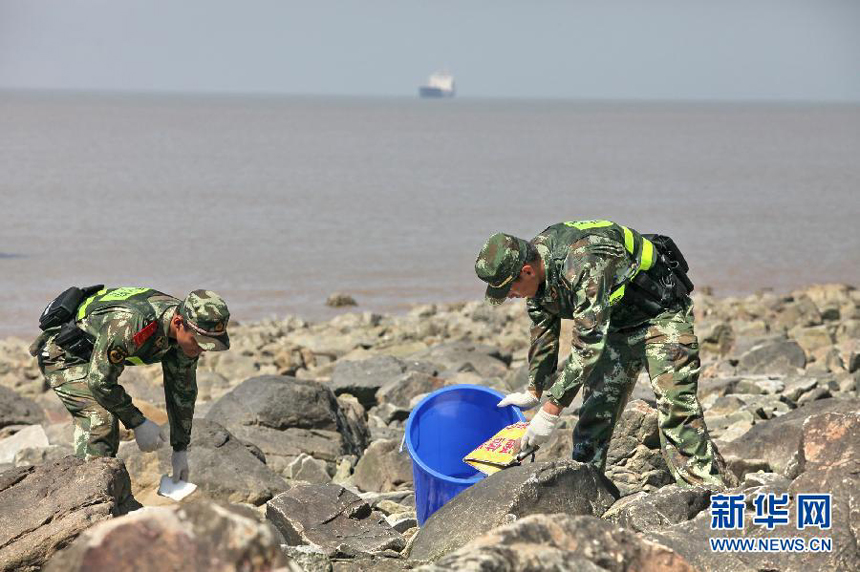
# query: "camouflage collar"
{"points": [[165, 319]]}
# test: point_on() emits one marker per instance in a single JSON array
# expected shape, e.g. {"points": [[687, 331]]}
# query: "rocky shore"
{"points": [[296, 451]]}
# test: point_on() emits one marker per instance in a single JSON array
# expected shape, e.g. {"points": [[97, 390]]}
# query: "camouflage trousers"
{"points": [[96, 429], [668, 347]]}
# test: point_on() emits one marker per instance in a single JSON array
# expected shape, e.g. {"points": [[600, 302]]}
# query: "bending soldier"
{"points": [[628, 297], [83, 351]]}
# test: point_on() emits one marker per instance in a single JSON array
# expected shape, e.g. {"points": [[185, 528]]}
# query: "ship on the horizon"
{"points": [[440, 84]]}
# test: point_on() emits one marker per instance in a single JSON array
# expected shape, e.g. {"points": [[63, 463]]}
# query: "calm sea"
{"points": [[275, 202]]}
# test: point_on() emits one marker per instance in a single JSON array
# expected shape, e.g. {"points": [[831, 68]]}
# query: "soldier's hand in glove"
{"points": [[179, 460], [539, 430], [148, 436], [523, 400]]}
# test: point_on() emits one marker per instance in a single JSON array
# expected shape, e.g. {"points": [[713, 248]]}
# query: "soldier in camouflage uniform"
{"points": [[133, 326], [584, 271]]}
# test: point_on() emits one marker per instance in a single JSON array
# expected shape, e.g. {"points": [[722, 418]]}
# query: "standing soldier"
{"points": [[628, 297], [90, 335]]}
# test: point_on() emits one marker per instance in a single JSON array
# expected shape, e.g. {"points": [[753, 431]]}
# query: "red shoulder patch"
{"points": [[146, 333]]}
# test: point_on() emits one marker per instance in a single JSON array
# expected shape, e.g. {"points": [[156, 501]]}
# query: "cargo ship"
{"points": [[440, 84]]}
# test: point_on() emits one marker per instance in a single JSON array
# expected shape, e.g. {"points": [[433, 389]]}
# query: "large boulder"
{"points": [[331, 517], [561, 542], [193, 536], [644, 512], [532, 488], [364, 378], [285, 417], [223, 468], [777, 440], [383, 467], [42, 509], [17, 410]]}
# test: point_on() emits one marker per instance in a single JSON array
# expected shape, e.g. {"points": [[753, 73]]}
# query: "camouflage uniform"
{"points": [[588, 265], [130, 326]]}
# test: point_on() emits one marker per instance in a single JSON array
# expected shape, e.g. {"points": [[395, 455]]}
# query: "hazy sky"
{"points": [[627, 49]]}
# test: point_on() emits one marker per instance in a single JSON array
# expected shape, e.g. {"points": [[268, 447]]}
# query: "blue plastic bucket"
{"points": [[443, 428]]}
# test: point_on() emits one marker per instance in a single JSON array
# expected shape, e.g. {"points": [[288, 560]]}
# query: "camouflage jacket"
{"points": [[587, 264], [130, 327]]}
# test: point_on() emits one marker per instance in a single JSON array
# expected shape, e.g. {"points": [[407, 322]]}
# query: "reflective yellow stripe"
{"points": [[617, 295], [82, 310], [134, 360], [628, 239], [586, 224], [647, 254], [123, 293]]}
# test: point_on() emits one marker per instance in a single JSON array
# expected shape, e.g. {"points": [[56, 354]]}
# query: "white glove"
{"points": [[523, 400], [179, 460], [539, 430], [148, 436]]}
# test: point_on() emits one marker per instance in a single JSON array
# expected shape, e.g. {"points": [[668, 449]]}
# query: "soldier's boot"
{"points": [[691, 455]]}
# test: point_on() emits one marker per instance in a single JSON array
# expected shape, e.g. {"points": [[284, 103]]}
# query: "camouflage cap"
{"points": [[499, 264], [207, 315]]}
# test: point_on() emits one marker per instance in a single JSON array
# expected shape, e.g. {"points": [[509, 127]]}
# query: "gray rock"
{"points": [[310, 558], [777, 357], [223, 467], [742, 467], [796, 386], [400, 391], [30, 456], [760, 385], [364, 378], [332, 518], [765, 479], [718, 338], [383, 467], [561, 542], [44, 508], [356, 429], [800, 312], [388, 561], [557, 486], [17, 410], [390, 413], [777, 440], [670, 505], [814, 395], [811, 339], [285, 417], [402, 522], [717, 386], [487, 361], [339, 300], [634, 461], [193, 536], [306, 468], [29, 436]]}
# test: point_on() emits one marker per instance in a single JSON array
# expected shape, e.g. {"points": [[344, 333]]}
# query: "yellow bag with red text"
{"points": [[499, 451]]}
